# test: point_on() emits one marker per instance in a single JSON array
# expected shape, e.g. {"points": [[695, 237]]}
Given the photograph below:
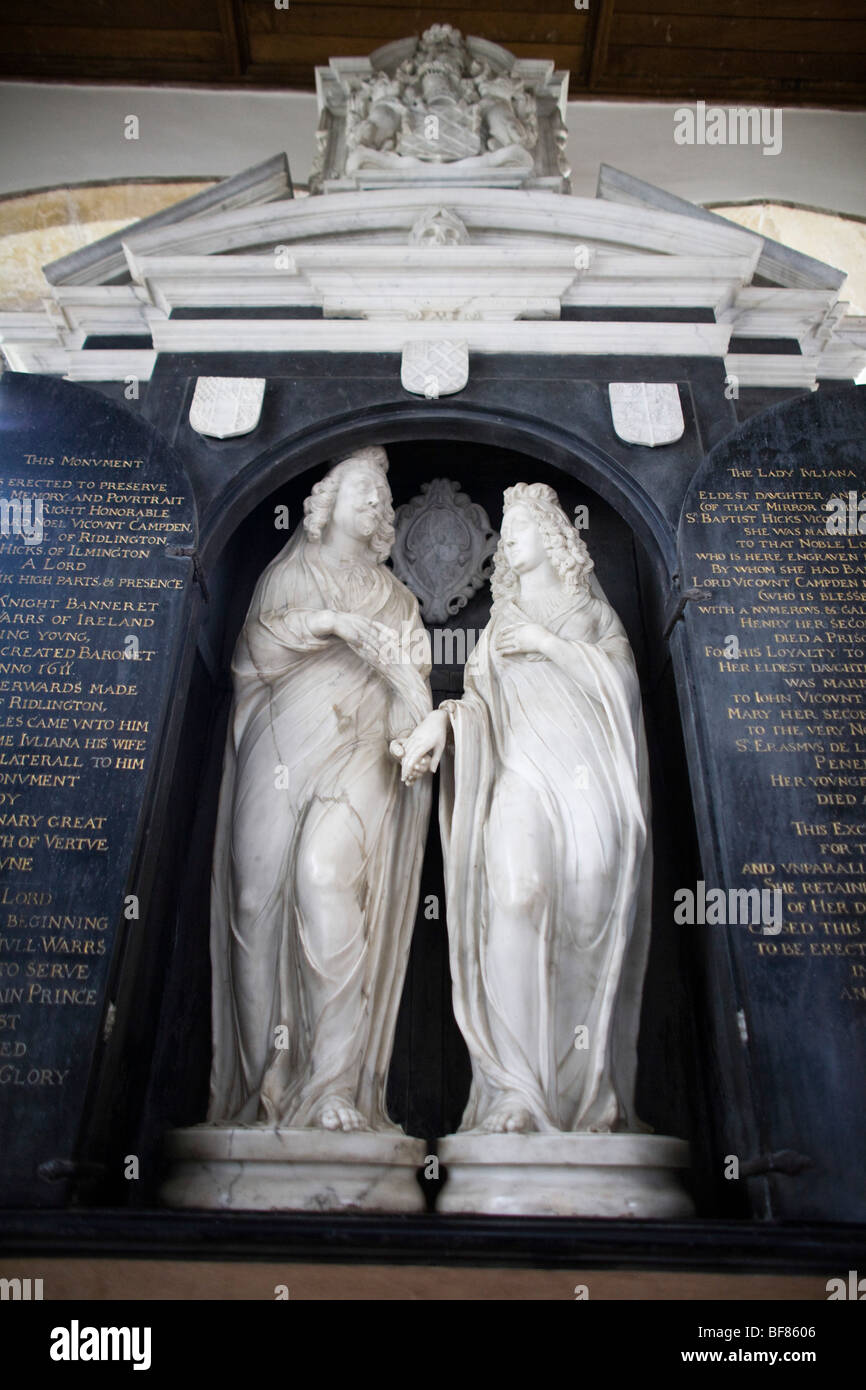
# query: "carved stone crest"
{"points": [[439, 367], [440, 105], [443, 548], [440, 108], [224, 407], [646, 413]]}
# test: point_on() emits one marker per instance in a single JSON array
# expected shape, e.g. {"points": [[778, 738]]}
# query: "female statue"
{"points": [[544, 815]]}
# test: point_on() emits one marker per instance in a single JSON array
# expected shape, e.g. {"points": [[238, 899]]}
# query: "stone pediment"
{"points": [[402, 252]]}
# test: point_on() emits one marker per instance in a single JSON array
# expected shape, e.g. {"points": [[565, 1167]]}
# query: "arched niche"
{"points": [[168, 1058]]}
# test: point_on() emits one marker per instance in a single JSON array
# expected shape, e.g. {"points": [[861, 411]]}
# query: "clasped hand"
{"points": [[424, 747]]}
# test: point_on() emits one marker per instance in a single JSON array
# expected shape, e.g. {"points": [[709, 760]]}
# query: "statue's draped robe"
{"points": [[310, 715], [573, 733]]}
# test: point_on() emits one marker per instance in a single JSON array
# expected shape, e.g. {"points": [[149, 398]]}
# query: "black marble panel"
{"points": [[775, 640], [95, 579]]}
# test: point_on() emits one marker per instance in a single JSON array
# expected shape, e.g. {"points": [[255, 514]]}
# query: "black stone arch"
{"points": [[525, 433], [184, 1030]]}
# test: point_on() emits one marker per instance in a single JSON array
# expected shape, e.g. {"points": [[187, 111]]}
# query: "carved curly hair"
{"points": [[566, 550], [319, 506]]}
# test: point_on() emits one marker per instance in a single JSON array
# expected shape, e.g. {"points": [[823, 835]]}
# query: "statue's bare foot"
{"points": [[335, 1112], [509, 1117]]}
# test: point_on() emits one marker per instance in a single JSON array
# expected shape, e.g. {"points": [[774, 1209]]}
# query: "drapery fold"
{"points": [[569, 732], [312, 717]]}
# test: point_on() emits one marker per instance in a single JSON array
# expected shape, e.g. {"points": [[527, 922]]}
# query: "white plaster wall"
{"points": [[57, 134]]}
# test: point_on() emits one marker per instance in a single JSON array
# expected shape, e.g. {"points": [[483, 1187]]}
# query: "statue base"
{"points": [[612, 1175], [256, 1168]]}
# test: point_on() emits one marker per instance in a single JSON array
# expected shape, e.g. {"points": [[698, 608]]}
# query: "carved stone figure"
{"points": [[509, 111], [439, 227], [318, 845], [544, 815]]}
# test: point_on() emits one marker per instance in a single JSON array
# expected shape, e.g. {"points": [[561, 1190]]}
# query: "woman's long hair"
{"points": [[566, 550]]}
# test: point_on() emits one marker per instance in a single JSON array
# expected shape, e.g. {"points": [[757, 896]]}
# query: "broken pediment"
{"points": [[440, 201]]}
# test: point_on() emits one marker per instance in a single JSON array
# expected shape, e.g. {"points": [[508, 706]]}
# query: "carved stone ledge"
{"points": [[610, 1175], [256, 1168]]}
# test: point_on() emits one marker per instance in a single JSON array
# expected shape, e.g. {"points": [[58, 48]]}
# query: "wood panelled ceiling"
{"points": [[782, 52]]}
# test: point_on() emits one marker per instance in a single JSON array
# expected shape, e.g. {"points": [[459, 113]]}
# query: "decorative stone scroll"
{"points": [[443, 548], [224, 407], [647, 413]]}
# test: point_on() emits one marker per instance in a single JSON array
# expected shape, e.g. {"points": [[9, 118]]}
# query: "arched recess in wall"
{"points": [[168, 1057], [449, 421]]}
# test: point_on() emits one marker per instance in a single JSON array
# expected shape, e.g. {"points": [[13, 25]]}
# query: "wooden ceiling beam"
{"points": [[234, 31], [796, 52], [602, 14]]}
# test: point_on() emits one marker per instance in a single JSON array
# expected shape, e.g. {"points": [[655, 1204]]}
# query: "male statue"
{"points": [[319, 845]]}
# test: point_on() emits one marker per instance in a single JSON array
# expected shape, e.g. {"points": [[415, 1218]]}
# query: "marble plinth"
{"points": [[249, 1168], [613, 1175]]}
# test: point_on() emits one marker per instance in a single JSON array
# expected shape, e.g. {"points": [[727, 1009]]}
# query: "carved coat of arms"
{"points": [[443, 548], [440, 106], [646, 412], [224, 407], [440, 109], [439, 367]]}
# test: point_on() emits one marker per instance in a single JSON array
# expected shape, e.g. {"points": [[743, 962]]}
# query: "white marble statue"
{"points": [[544, 814], [318, 845]]}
